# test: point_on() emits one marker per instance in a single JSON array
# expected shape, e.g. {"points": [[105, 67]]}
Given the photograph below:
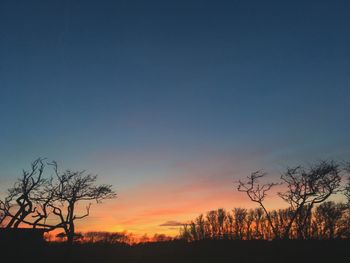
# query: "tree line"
{"points": [[329, 220], [111, 238], [309, 214]]}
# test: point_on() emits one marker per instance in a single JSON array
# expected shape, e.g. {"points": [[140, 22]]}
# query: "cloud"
{"points": [[172, 223]]}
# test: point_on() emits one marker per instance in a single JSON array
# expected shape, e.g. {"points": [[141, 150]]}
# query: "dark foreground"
{"points": [[178, 251]]}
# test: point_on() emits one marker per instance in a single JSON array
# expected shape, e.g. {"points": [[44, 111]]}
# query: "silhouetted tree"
{"points": [[70, 188], [23, 198], [229, 226], [328, 217], [193, 230], [308, 216], [258, 223], [347, 186], [249, 222], [200, 223], [221, 218], [308, 187], [185, 233], [240, 215], [103, 237], [305, 188], [212, 219], [33, 199], [2, 218], [257, 193]]}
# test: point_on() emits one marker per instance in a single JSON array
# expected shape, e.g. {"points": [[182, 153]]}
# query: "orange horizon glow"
{"points": [[160, 206], [145, 208]]}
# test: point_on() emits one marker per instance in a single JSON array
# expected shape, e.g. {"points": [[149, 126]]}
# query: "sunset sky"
{"points": [[172, 101]]}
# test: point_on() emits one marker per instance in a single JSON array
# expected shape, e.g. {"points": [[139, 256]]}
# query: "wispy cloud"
{"points": [[172, 223]]}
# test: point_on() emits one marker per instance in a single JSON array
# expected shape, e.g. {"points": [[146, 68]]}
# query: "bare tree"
{"points": [[33, 199], [230, 228], [212, 219], [107, 237], [347, 186], [194, 231], [68, 190], [328, 217], [249, 222], [21, 200], [308, 187], [304, 189], [2, 218], [185, 233], [258, 222], [201, 227], [257, 193], [240, 215], [221, 218]]}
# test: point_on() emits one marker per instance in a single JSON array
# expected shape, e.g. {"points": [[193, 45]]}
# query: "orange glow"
{"points": [[143, 209]]}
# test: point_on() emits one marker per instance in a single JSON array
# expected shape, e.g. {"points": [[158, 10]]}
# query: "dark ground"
{"points": [[178, 251]]}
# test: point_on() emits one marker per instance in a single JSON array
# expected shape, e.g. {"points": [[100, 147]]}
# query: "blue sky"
{"points": [[137, 90]]}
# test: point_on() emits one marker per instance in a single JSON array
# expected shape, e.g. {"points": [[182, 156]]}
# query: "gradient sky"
{"points": [[172, 101]]}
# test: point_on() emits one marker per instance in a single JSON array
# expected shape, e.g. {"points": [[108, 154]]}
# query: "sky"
{"points": [[171, 102]]}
